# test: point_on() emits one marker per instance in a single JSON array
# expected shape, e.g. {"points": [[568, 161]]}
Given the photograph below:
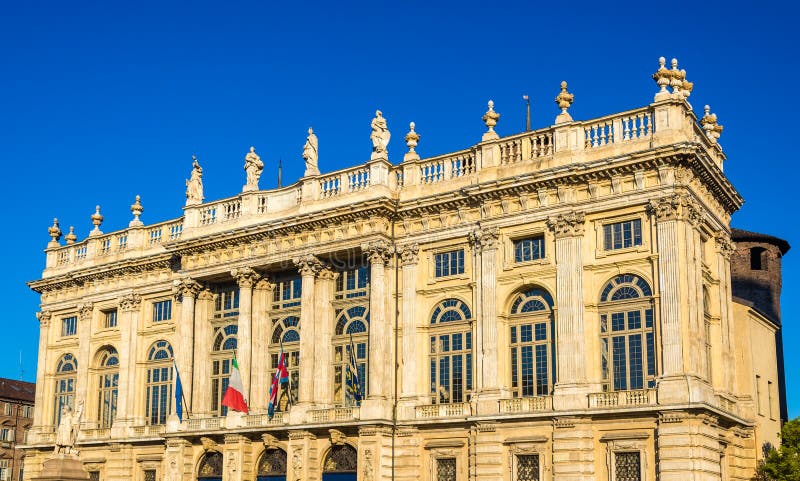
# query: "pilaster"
{"points": [[200, 397], [375, 453], [238, 461], [302, 456], [85, 316], [571, 386], [128, 322], [186, 291], [486, 451], [380, 334], [323, 357], [260, 375], [44, 318], [308, 266], [725, 250], [178, 460], [688, 447], [410, 372], [246, 279], [573, 450]]}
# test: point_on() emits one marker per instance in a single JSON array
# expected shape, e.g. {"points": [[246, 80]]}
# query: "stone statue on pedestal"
{"points": [[311, 153], [194, 186], [380, 137], [253, 167], [67, 432]]}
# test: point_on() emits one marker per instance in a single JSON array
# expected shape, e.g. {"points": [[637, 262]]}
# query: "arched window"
{"points": [[351, 323], [340, 460], [286, 333], [210, 468], [627, 337], [272, 465], [221, 358], [159, 383], [66, 370], [108, 377], [532, 346], [451, 352]]}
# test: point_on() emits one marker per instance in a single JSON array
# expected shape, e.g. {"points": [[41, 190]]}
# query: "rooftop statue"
{"points": [[380, 137], [311, 153], [253, 167], [194, 186]]}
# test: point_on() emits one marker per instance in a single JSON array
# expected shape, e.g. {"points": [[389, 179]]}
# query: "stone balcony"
{"points": [[613, 399]]}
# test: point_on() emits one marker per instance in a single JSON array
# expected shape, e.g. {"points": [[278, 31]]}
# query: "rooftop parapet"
{"points": [[669, 120]]}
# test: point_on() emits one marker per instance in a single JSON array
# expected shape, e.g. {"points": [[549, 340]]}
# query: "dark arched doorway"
{"points": [[272, 465], [210, 468], [341, 464]]}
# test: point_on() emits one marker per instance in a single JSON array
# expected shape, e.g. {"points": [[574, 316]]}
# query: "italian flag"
{"points": [[234, 396]]}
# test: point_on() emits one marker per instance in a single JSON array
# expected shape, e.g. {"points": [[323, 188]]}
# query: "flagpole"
{"points": [[183, 396], [289, 390]]}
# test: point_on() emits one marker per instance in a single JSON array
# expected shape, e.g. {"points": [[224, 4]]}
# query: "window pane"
{"points": [[618, 360]]}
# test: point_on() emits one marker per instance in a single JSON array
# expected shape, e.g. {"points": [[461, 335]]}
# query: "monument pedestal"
{"points": [[62, 467]]}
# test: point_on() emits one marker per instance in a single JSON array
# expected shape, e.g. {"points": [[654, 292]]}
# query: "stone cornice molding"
{"points": [[484, 238], [85, 311], [186, 287], [130, 302], [101, 271], [301, 434], [409, 254], [570, 224], [245, 277], [44, 318], [377, 251], [307, 265]]}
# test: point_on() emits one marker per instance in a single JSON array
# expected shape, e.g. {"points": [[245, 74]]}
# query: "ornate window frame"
{"points": [[514, 323], [153, 364], [528, 446], [437, 350], [599, 226], [340, 344], [626, 442], [440, 449], [509, 258], [430, 259], [106, 369]]}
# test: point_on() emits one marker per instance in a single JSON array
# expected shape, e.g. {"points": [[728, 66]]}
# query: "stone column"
{"points": [[85, 315], [725, 250], [571, 385], [246, 279], [128, 313], [200, 395], [323, 325], [186, 290], [412, 387], [573, 449], [484, 243], [308, 266], [44, 331], [380, 333], [262, 330]]}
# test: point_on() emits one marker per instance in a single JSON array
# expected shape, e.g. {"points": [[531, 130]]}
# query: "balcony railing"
{"points": [[333, 415], [152, 430], [526, 404], [443, 410], [259, 420], [644, 397]]}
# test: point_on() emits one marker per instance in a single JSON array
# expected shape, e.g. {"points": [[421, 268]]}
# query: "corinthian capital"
{"points": [[186, 287], [245, 276], [85, 311], [724, 245], [676, 207], [484, 238], [131, 302], [567, 225], [307, 264], [409, 254], [377, 251], [44, 318]]}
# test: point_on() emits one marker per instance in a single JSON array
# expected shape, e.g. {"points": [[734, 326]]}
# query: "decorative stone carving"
{"points": [[55, 234], [253, 166], [484, 238], [85, 311], [662, 78], [338, 438], [186, 287], [131, 302], [307, 264], [71, 237], [297, 464], [97, 219], [67, 431], [136, 210], [490, 118], [724, 245], [380, 137], [44, 318], [709, 122], [665, 208], [377, 251], [233, 464], [564, 101], [677, 78], [209, 444], [270, 441], [245, 276], [409, 254], [311, 153], [194, 186], [326, 274], [412, 138], [368, 467], [570, 224], [265, 284]]}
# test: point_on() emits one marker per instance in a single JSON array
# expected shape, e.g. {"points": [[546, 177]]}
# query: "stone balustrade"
{"points": [[443, 410], [526, 404], [332, 415], [644, 397]]}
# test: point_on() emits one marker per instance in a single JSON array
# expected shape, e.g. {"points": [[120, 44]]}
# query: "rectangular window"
{"points": [[446, 469], [527, 467], [529, 249], [758, 394], [162, 310], [9, 409], [94, 475], [287, 293], [69, 326], [628, 466], [451, 367], [110, 318], [149, 475], [621, 235], [449, 263], [769, 399], [352, 283], [226, 303]]}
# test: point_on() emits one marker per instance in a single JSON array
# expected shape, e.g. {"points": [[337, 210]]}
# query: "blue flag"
{"points": [[178, 395], [352, 380]]}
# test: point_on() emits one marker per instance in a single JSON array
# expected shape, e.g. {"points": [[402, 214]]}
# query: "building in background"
{"points": [[551, 305], [16, 417]]}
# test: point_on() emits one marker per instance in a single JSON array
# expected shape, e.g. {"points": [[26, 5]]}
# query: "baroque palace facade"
{"points": [[555, 304]]}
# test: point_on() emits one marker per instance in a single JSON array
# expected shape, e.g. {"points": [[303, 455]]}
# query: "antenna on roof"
{"points": [[527, 113], [280, 172], [21, 369]]}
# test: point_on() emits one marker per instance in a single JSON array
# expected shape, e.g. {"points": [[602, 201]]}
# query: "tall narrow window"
{"points": [[627, 342], [108, 367], [226, 302], [159, 383], [162, 310], [446, 469], [225, 342], [758, 259], [451, 352], [621, 235], [110, 318], [532, 350], [351, 323], [758, 394], [69, 326], [286, 335], [66, 370]]}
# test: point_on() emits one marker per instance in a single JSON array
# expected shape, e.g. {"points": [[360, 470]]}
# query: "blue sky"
{"points": [[102, 101]]}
